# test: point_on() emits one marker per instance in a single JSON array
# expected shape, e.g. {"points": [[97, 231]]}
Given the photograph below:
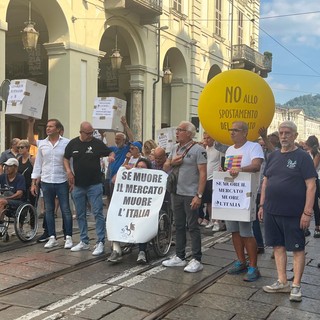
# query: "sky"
{"points": [[291, 33]]}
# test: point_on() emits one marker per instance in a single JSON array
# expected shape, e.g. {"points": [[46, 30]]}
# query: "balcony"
{"points": [[244, 57], [148, 10]]}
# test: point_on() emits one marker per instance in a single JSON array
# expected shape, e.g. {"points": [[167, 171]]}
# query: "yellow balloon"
{"points": [[235, 95]]}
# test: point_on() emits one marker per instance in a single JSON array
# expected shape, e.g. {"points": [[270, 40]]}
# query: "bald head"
{"points": [[159, 156], [86, 131]]}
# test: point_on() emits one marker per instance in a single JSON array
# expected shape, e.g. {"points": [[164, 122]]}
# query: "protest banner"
{"points": [[135, 204], [234, 198]]}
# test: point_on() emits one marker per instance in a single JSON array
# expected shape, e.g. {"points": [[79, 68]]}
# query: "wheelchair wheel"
{"points": [[162, 241], [4, 229], [26, 222]]}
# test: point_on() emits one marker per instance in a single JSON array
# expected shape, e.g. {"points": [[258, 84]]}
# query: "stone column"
{"points": [[137, 73], [136, 114]]}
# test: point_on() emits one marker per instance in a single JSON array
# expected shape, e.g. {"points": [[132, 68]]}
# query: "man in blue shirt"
{"points": [[14, 184]]}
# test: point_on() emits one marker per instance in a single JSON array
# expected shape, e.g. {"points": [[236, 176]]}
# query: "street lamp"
{"points": [[167, 74], [116, 58], [29, 34]]}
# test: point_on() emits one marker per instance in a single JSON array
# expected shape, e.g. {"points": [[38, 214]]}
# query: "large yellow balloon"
{"points": [[235, 95]]}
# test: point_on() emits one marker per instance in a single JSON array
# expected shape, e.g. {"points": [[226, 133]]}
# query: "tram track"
{"points": [[162, 310]]}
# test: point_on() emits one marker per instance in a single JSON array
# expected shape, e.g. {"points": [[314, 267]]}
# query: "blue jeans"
{"points": [[94, 195], [50, 192], [183, 216]]}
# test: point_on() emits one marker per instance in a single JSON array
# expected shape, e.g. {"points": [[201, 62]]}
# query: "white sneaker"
{"points": [[216, 227], [174, 262], [209, 225], [194, 266], [98, 249], [142, 259], [51, 243], [68, 243], [80, 246]]}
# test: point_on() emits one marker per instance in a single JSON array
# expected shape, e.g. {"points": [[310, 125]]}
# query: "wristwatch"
{"points": [[199, 195]]}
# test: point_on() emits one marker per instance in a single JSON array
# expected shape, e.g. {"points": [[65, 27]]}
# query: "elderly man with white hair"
{"points": [[192, 161], [14, 184]]}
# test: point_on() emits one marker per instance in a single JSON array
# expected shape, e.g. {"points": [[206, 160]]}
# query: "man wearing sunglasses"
{"points": [[243, 156], [85, 183]]}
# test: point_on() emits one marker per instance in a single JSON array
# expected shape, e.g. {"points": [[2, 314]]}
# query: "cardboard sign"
{"points": [[107, 113], [26, 99], [135, 205], [234, 199], [166, 138]]}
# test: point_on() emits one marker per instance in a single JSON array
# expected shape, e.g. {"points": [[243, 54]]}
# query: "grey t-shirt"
{"points": [[188, 179]]}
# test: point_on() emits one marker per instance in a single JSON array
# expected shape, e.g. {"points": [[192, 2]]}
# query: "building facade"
{"points": [[170, 49]]}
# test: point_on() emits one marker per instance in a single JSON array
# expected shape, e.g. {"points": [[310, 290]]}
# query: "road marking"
{"points": [[90, 302]]}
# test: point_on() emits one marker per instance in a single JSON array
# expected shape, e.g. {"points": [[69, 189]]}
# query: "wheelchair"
{"points": [[161, 243], [25, 220]]}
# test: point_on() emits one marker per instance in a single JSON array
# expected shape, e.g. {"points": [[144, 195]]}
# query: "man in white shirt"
{"points": [[243, 156], [49, 169]]}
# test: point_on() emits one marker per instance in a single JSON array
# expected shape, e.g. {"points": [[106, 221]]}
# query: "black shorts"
{"points": [[284, 231], [207, 194]]}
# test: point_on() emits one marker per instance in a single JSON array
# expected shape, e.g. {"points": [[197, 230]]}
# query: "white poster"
{"points": [[231, 194], [135, 204]]}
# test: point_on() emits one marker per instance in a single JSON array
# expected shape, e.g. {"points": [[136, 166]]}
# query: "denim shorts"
{"points": [[284, 231], [244, 228]]}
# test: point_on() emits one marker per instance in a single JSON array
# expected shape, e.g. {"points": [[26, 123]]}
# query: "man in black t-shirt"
{"points": [[286, 206], [85, 182]]}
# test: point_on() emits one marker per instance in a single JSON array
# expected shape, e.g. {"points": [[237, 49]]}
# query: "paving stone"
{"points": [[244, 317], [177, 275], [14, 312], [216, 261], [231, 290], [311, 270], [30, 299], [222, 253], [284, 313], [282, 299], [23, 271], [186, 312], [238, 281], [9, 281], [162, 287], [61, 285], [95, 311], [126, 313], [137, 299], [311, 279], [230, 304], [49, 266]]}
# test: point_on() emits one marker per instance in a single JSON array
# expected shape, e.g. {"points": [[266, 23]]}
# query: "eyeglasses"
{"points": [[21, 147], [87, 133], [180, 130], [234, 130]]}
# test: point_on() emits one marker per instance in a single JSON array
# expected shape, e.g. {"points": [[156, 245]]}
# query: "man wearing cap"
{"points": [[13, 152], [119, 152], [15, 186], [133, 155], [85, 183]]}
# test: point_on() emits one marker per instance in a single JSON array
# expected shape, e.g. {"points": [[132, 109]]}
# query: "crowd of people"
{"points": [[71, 172]]}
